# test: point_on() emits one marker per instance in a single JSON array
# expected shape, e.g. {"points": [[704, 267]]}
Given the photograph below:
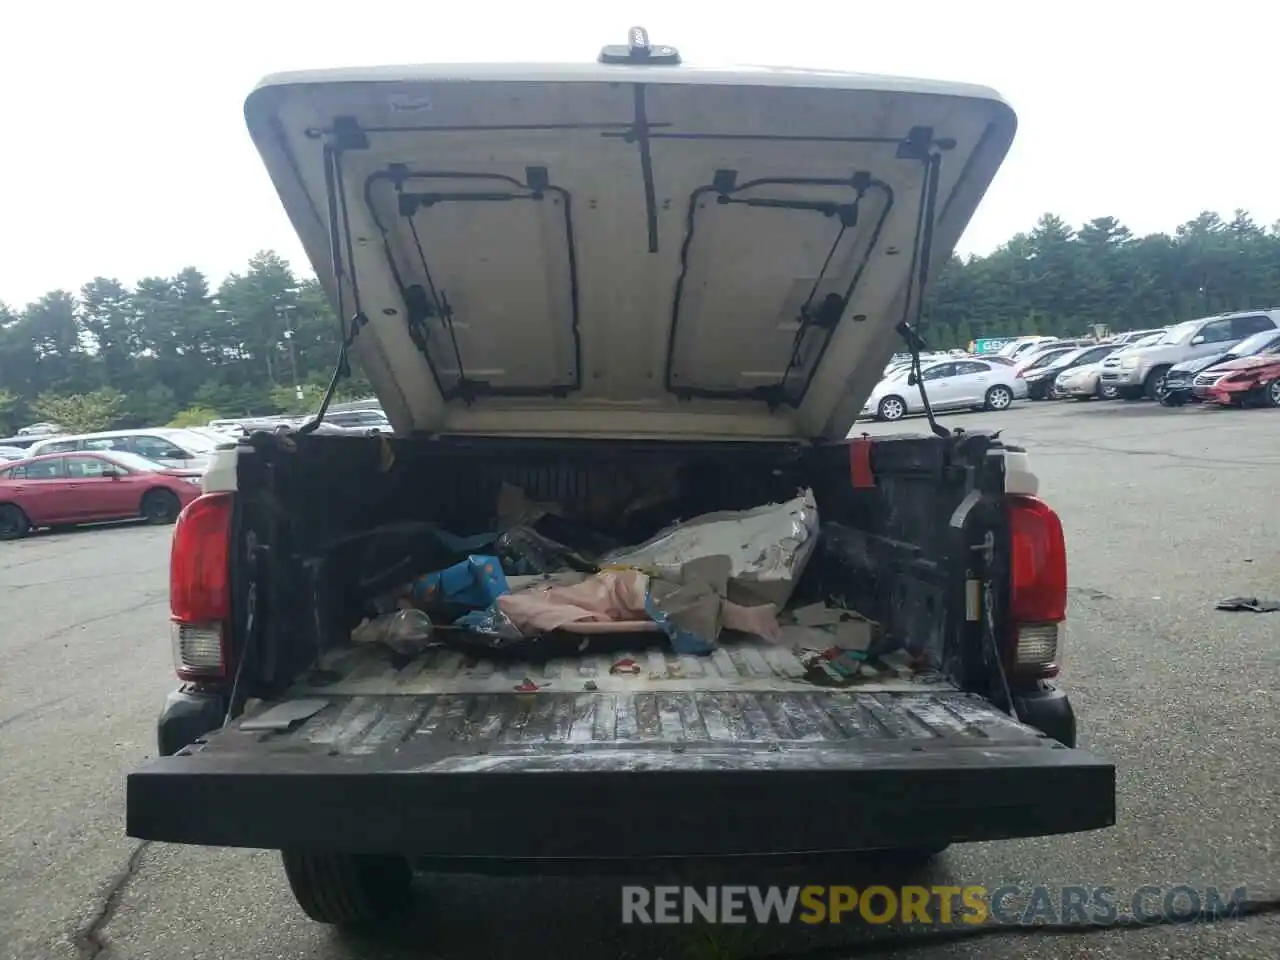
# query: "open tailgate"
{"points": [[603, 774]]}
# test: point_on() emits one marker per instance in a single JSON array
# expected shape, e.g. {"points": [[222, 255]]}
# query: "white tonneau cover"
{"points": [[623, 250]]}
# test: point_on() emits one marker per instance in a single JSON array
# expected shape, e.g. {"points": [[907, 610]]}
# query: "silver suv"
{"points": [[1140, 371]]}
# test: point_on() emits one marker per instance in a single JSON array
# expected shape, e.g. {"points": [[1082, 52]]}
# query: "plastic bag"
{"points": [[405, 631], [491, 627], [524, 551]]}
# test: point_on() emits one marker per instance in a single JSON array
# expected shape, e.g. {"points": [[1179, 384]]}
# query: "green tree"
{"points": [[8, 409], [194, 417], [81, 412], [305, 399], [242, 347]]}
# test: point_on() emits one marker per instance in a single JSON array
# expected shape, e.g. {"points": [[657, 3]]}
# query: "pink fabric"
{"points": [[616, 596], [761, 621], [608, 596]]}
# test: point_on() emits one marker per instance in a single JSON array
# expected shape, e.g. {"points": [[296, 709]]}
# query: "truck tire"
{"points": [[1153, 386], [349, 890]]}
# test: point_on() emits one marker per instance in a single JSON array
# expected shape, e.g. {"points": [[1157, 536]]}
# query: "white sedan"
{"points": [[950, 384]]}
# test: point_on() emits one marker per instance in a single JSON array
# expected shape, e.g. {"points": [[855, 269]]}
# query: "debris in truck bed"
{"points": [[608, 596], [563, 579], [476, 582], [515, 509], [690, 612], [841, 668], [407, 632], [538, 538], [491, 624], [818, 626], [464, 546], [523, 551], [1251, 604], [901, 662], [767, 548], [729, 570], [284, 715], [693, 609]]}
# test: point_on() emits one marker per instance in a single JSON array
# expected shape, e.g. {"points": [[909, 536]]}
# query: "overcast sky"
{"points": [[125, 151]]}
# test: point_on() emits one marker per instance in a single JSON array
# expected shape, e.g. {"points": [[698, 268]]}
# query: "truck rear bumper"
{"points": [[855, 772], [1049, 711], [188, 714]]}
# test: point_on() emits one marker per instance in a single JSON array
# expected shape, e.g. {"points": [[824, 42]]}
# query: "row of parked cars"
{"points": [[54, 479], [362, 419], [1230, 359]]}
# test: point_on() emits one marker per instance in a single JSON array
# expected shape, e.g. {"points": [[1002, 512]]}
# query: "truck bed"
{"points": [[460, 713], [388, 757]]}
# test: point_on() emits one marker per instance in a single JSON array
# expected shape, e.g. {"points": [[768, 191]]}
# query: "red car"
{"points": [[1247, 380], [63, 489]]}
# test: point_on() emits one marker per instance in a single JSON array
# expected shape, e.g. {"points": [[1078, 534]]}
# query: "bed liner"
{"points": [[691, 756]]}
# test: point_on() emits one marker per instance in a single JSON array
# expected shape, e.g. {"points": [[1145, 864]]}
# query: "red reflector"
{"points": [[1038, 589], [200, 581], [860, 464]]}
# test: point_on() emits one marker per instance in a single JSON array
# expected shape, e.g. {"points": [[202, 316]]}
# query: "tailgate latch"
{"points": [[639, 51]]}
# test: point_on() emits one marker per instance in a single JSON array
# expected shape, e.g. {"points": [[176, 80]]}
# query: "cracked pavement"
{"points": [[1165, 512]]}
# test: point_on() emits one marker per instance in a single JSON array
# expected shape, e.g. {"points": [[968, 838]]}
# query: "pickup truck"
{"points": [[592, 281]]}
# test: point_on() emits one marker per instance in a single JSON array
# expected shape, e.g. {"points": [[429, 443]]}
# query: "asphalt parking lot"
{"points": [[1165, 512]]}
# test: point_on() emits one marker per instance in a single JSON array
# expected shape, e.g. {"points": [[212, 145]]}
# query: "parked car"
{"points": [[1041, 380], [231, 427], [42, 429], [1107, 391], [1140, 371], [1084, 382], [13, 453], [1041, 358], [1020, 346], [246, 425], [950, 384], [1080, 383], [450, 758], [174, 447], [58, 490], [215, 434], [368, 420], [1178, 387], [1129, 337], [1247, 380]]}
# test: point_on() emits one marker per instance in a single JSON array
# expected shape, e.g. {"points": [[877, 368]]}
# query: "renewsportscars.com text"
{"points": [[943, 905]]}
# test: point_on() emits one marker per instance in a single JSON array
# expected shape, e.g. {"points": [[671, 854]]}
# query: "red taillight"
{"points": [[1038, 587], [200, 587]]}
